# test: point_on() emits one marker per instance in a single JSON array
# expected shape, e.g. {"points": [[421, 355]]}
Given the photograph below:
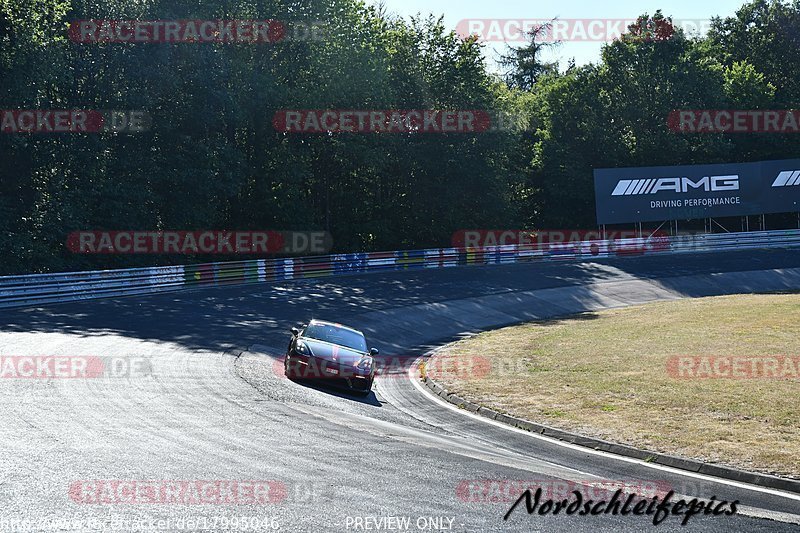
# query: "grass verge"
{"points": [[614, 375]]}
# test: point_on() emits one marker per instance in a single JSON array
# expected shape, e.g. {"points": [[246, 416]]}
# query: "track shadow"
{"points": [[337, 392], [219, 318]]}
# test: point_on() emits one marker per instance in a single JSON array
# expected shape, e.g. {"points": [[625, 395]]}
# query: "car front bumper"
{"points": [[334, 373]]}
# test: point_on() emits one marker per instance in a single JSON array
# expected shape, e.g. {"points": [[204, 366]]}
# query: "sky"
{"points": [[598, 19]]}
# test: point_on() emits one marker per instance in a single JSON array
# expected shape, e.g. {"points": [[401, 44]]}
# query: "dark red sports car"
{"points": [[331, 352]]}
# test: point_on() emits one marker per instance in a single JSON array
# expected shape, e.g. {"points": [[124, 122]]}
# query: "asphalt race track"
{"points": [[200, 409]]}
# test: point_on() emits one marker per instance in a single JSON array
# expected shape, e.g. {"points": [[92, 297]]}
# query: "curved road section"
{"points": [[178, 416]]}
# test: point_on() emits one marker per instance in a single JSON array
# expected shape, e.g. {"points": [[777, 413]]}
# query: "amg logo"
{"points": [[787, 178], [680, 185]]}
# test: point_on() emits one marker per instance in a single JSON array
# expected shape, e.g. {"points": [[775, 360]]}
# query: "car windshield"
{"points": [[335, 335]]}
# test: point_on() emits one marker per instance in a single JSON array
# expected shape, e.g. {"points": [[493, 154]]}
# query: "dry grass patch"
{"points": [[605, 374]]}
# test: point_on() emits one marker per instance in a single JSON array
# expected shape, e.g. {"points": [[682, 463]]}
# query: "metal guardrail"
{"points": [[35, 289]]}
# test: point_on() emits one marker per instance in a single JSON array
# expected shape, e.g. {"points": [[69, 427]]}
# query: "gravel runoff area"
{"points": [[713, 379]]}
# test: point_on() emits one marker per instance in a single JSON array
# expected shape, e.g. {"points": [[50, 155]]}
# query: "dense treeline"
{"points": [[213, 159]]}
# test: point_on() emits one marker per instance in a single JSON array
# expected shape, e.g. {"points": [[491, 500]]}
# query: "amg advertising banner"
{"points": [[625, 195]]}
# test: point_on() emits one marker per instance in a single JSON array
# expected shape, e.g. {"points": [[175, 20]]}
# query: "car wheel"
{"points": [[366, 392], [286, 370]]}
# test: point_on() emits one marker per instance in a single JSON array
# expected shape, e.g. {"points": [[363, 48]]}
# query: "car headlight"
{"points": [[302, 348], [365, 364]]}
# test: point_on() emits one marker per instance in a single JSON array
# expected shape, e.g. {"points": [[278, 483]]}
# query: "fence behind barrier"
{"points": [[35, 289]]}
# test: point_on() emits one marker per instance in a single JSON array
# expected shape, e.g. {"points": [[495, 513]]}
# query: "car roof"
{"points": [[334, 324]]}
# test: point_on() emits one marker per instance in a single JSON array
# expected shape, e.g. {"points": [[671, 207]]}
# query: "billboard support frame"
{"points": [[720, 225], [661, 226]]}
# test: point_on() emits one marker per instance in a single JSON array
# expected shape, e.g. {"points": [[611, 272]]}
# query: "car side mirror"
{"points": [[295, 332], [374, 352]]}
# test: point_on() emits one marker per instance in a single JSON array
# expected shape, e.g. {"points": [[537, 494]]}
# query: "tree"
{"points": [[525, 65]]}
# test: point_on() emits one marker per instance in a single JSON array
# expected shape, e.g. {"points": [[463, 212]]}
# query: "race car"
{"points": [[332, 353]]}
